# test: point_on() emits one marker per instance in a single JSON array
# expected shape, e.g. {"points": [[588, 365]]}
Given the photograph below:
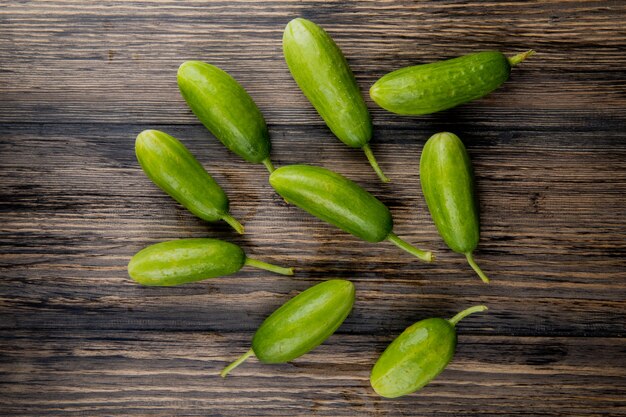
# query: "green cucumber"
{"points": [[324, 76], [429, 88], [226, 109], [301, 324], [417, 356], [182, 261], [176, 171], [341, 202], [447, 182]]}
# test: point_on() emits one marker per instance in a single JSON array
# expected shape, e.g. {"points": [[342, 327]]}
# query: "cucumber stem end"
{"points": [[476, 268], [425, 256], [268, 164], [236, 363], [233, 222], [268, 267], [460, 316], [519, 58], [372, 160]]}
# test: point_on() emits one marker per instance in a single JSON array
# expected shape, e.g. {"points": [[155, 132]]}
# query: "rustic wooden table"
{"points": [[79, 80]]}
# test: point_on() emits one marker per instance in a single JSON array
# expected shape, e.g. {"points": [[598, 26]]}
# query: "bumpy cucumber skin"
{"points": [[414, 358], [324, 76], [447, 182], [170, 165], [429, 88], [335, 199], [185, 260], [304, 322], [226, 109]]}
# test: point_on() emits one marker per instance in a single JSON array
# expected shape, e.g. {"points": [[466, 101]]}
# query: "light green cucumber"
{"points": [[182, 261], [417, 356], [447, 182], [226, 109], [301, 324], [324, 76], [170, 165], [429, 88], [341, 202]]}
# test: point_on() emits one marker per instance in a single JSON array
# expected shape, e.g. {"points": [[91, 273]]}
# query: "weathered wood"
{"points": [[79, 80], [153, 373], [125, 54]]}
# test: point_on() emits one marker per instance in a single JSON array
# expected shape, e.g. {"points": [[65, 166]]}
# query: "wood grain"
{"points": [[148, 374], [79, 80]]}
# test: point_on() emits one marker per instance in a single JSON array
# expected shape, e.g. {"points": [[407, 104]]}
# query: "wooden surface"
{"points": [[79, 80]]}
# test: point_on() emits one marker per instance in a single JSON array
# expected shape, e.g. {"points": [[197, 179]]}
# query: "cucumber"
{"points": [[340, 202], [301, 324], [170, 165], [429, 88], [324, 76], [226, 109], [417, 356], [447, 182], [182, 261]]}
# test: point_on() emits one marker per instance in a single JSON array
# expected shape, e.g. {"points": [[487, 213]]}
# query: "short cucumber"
{"points": [[447, 182], [429, 88], [324, 76], [226, 109], [341, 202], [170, 165], [182, 261], [417, 356], [301, 324]]}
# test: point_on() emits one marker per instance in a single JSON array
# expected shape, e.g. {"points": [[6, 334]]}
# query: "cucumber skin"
{"points": [[429, 88], [414, 358], [226, 109], [185, 260], [321, 71], [170, 165], [304, 322], [334, 199], [447, 182]]}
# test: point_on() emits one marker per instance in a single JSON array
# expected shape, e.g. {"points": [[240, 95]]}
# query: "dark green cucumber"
{"points": [[301, 324], [188, 260], [429, 88], [174, 169], [341, 202], [447, 182], [324, 76], [417, 356], [226, 109]]}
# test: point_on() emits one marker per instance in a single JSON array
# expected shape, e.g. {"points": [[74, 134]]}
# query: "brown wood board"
{"points": [[79, 80]]}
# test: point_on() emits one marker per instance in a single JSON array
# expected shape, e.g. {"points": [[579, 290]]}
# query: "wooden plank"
{"points": [[79, 80], [146, 373], [126, 55], [542, 248]]}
